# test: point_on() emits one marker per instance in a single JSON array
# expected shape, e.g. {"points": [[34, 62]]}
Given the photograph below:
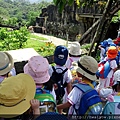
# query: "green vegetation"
{"points": [[39, 44], [12, 40], [35, 37], [20, 12]]}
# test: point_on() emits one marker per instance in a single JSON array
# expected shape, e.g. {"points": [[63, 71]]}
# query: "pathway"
{"points": [[56, 41]]}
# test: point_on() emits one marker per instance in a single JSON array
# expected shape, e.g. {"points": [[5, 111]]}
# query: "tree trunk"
{"points": [[103, 33], [100, 26], [82, 39]]}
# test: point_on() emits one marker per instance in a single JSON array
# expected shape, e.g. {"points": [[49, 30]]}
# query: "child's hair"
{"points": [[48, 85], [5, 75]]}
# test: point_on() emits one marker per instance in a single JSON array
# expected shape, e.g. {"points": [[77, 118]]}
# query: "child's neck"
{"points": [[39, 85]]}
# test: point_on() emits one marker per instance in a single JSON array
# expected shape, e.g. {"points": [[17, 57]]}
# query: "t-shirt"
{"points": [[74, 99], [70, 60]]}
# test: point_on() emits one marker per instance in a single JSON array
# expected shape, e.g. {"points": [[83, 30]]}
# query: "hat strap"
{"points": [[4, 66], [86, 70]]}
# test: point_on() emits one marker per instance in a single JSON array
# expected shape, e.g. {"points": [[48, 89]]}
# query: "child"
{"points": [[103, 48], [86, 69], [38, 67], [15, 95], [108, 93], [60, 58], [111, 55], [74, 54], [6, 66]]}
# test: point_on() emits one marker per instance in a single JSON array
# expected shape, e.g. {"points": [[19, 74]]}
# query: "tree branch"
{"points": [[117, 7], [88, 31]]}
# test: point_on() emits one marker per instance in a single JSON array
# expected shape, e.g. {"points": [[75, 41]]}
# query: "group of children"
{"points": [[17, 92]]}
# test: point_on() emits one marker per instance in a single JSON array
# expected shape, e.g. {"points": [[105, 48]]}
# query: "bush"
{"points": [[12, 40]]}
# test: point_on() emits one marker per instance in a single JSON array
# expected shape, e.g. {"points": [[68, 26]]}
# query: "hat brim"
{"points": [[84, 73], [39, 80], [9, 67], [76, 54], [23, 106]]}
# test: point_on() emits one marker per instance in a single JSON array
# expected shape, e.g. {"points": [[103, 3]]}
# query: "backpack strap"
{"points": [[83, 87], [42, 91], [53, 69], [64, 85]]}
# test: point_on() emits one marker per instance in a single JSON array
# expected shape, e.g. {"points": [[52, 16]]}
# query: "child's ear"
{"points": [[78, 74]]}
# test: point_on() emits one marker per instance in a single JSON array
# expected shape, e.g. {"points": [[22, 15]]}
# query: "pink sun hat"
{"points": [[38, 67]]}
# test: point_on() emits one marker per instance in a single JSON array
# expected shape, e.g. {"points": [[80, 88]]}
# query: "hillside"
{"points": [[38, 1], [21, 12]]}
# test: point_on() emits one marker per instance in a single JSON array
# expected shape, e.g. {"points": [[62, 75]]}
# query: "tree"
{"points": [[112, 6]]}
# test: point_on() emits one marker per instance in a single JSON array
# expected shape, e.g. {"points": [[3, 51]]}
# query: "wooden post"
{"points": [[67, 40]]}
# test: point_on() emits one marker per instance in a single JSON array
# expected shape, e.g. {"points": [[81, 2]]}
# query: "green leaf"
{"points": [[61, 6], [70, 2], [56, 2], [64, 1]]}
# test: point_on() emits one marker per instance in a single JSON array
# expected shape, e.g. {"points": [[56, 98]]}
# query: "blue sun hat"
{"points": [[109, 40], [104, 44], [60, 55]]}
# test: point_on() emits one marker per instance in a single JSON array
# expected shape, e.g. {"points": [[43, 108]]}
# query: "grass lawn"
{"points": [[35, 37], [39, 44]]}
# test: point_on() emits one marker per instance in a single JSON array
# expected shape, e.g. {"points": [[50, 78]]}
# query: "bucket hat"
{"points": [[38, 67], [60, 55], [75, 49], [6, 62], [15, 95], [87, 66], [109, 40], [112, 52]]}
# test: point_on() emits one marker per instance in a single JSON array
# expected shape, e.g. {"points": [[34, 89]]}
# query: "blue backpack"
{"points": [[111, 109], [103, 69], [90, 103]]}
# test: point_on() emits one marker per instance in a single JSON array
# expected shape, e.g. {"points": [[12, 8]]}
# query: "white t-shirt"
{"points": [[74, 98], [70, 60]]}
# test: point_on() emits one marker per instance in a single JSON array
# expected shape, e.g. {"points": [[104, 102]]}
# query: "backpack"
{"points": [[90, 102], [47, 102], [103, 69], [118, 58], [112, 108], [57, 79]]}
